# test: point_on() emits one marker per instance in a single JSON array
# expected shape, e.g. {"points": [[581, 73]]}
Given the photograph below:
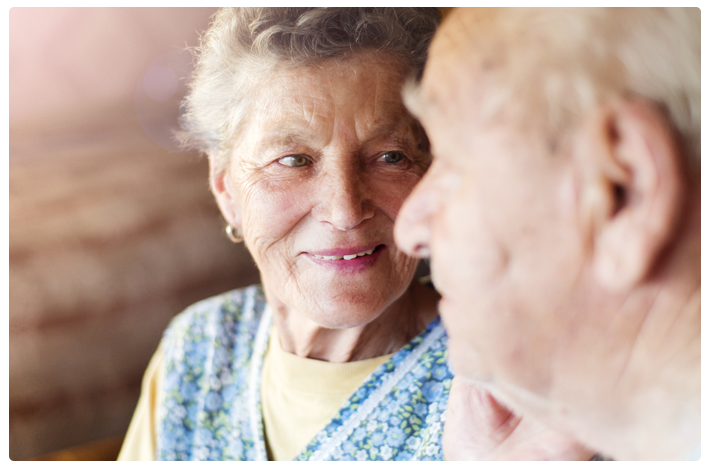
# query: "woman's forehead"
{"points": [[334, 84], [298, 102]]}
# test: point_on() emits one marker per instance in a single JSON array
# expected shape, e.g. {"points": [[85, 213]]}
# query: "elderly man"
{"points": [[562, 216]]}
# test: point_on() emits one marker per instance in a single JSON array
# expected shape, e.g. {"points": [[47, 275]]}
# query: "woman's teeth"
{"points": [[346, 257]]}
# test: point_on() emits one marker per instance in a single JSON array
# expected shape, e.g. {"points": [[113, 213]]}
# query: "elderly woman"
{"points": [[339, 355]]}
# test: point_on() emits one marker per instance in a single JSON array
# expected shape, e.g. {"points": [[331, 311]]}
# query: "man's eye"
{"points": [[294, 161], [392, 157]]}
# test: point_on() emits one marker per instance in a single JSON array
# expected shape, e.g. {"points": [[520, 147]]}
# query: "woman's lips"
{"points": [[350, 257], [346, 253]]}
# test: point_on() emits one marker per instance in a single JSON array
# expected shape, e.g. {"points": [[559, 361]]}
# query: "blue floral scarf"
{"points": [[211, 404]]}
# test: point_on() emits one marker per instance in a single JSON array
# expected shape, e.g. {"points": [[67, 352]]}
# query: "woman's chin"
{"points": [[341, 314], [337, 301]]}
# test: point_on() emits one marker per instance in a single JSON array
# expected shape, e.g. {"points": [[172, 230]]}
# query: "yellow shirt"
{"points": [[299, 397], [139, 443]]}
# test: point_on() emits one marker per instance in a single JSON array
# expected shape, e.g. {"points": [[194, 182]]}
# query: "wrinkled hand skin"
{"points": [[478, 427]]}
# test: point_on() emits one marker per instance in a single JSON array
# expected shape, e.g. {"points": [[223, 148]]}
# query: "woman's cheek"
{"points": [[273, 207], [392, 191]]}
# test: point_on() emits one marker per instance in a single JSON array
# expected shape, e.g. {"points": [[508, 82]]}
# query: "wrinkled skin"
{"points": [[569, 281], [326, 157], [478, 427]]}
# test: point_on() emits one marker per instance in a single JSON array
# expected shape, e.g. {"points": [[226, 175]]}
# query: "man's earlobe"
{"points": [[631, 193], [224, 193]]}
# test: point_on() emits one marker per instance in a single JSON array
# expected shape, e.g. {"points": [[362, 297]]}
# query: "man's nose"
{"points": [[345, 197], [412, 231]]}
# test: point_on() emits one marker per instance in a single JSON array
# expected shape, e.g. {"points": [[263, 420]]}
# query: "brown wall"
{"points": [[111, 234], [107, 243]]}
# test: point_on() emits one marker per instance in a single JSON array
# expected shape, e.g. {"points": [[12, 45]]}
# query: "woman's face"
{"points": [[316, 179]]}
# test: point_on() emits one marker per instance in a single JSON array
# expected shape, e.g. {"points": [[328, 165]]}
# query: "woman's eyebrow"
{"points": [[399, 128], [284, 135]]}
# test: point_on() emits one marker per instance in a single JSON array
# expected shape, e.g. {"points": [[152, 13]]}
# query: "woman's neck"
{"points": [[389, 331]]}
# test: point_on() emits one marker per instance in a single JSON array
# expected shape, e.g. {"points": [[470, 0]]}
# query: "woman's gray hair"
{"points": [[243, 45]]}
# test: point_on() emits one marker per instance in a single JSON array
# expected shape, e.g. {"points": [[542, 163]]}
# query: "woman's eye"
{"points": [[294, 161], [392, 157]]}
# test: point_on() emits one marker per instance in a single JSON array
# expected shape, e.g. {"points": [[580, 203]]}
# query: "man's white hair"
{"points": [[550, 66], [243, 45]]}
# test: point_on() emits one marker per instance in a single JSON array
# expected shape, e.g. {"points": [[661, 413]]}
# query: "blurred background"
{"points": [[112, 230]]}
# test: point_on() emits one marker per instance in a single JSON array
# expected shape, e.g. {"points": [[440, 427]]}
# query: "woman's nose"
{"points": [[412, 231], [345, 198]]}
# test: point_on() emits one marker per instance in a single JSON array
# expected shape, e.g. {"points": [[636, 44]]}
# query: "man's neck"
{"points": [[664, 413], [659, 390]]}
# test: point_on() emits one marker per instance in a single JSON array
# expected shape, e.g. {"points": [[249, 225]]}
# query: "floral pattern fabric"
{"points": [[211, 404]]}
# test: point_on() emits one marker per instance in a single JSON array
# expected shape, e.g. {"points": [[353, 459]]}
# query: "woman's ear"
{"points": [[631, 192], [224, 192]]}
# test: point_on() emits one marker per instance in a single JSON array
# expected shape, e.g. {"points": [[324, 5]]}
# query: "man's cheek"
{"points": [[464, 357]]}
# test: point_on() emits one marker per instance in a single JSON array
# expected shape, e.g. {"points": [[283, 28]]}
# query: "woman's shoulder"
{"points": [[209, 315], [209, 349]]}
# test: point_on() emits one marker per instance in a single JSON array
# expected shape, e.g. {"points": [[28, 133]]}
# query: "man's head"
{"points": [[564, 190]]}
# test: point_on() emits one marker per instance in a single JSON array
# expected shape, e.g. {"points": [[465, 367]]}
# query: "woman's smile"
{"points": [[318, 178], [353, 260], [312, 153]]}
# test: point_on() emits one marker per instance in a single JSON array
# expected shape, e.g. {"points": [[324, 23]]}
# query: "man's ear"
{"points": [[224, 193], [631, 192]]}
